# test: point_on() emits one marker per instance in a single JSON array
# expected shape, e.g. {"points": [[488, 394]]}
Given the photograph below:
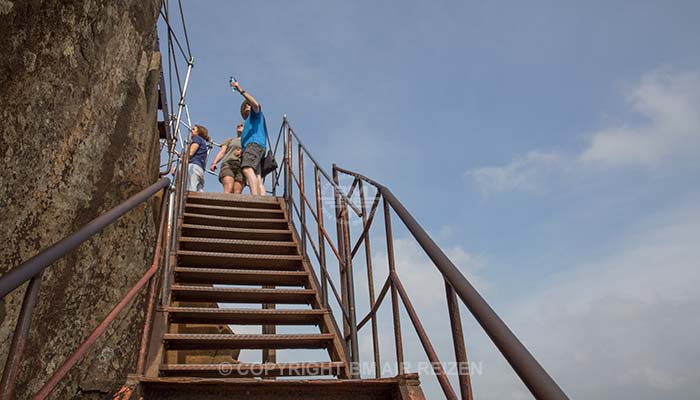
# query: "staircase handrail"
{"points": [[533, 375]]}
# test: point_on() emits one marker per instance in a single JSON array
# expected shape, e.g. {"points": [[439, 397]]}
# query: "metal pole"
{"points": [[349, 276], [32, 267], [423, 336], [321, 239], [465, 382], [394, 295], [537, 380], [343, 258], [302, 194], [370, 282], [19, 339], [152, 285], [289, 173]]}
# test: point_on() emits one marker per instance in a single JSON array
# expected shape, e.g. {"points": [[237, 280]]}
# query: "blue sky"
{"points": [[551, 147]]}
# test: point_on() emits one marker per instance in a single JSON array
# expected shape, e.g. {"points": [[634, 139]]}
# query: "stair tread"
{"points": [[232, 208], [192, 341], [230, 197], [238, 241], [241, 271], [192, 258], [241, 295], [253, 365], [241, 219], [224, 370], [247, 336], [237, 246], [251, 311], [241, 276], [301, 292], [237, 316], [229, 229], [240, 255]]}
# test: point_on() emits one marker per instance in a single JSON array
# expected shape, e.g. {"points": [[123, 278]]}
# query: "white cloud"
{"points": [[669, 103], [523, 173], [625, 326]]}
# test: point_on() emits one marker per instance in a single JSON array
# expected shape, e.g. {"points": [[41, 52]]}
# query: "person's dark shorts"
{"points": [[252, 157], [231, 168]]}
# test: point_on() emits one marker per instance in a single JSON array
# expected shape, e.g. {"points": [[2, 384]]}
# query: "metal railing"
{"points": [[32, 271], [457, 288]]}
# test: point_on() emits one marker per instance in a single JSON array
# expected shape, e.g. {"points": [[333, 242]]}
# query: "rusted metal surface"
{"points": [[540, 384], [228, 388], [302, 191], [465, 383], [321, 241], [398, 339], [373, 311], [367, 222], [153, 283], [342, 258], [99, 330], [370, 278], [19, 339], [350, 281], [30, 268], [425, 341]]}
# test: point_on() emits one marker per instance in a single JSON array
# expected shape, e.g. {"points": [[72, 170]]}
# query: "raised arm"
{"points": [[253, 103], [218, 157]]}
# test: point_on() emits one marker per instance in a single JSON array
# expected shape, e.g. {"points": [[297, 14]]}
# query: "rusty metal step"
{"points": [[233, 200], [238, 246], [235, 222], [241, 277], [228, 211], [184, 341], [231, 316], [239, 295], [253, 370], [239, 261], [202, 386], [220, 232]]}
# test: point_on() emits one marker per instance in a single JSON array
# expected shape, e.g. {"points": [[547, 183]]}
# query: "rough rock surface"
{"points": [[78, 109]]}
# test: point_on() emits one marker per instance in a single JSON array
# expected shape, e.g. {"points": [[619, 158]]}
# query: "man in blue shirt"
{"points": [[252, 141]]}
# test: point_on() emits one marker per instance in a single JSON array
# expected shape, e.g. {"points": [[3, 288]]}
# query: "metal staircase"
{"points": [[247, 242]]}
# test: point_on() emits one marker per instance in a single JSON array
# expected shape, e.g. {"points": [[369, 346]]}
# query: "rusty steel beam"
{"points": [[377, 303], [321, 241], [302, 192], [465, 381], [370, 274], [370, 219], [19, 339], [32, 267], [425, 341], [398, 339], [152, 285], [80, 352], [537, 380]]}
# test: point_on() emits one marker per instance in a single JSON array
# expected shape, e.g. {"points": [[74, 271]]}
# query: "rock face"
{"points": [[78, 105]]}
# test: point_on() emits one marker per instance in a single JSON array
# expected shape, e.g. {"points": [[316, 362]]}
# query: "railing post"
{"points": [[465, 383], [19, 339], [321, 238], [370, 281], [302, 195], [341, 251], [350, 281], [394, 295], [153, 283], [288, 173]]}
